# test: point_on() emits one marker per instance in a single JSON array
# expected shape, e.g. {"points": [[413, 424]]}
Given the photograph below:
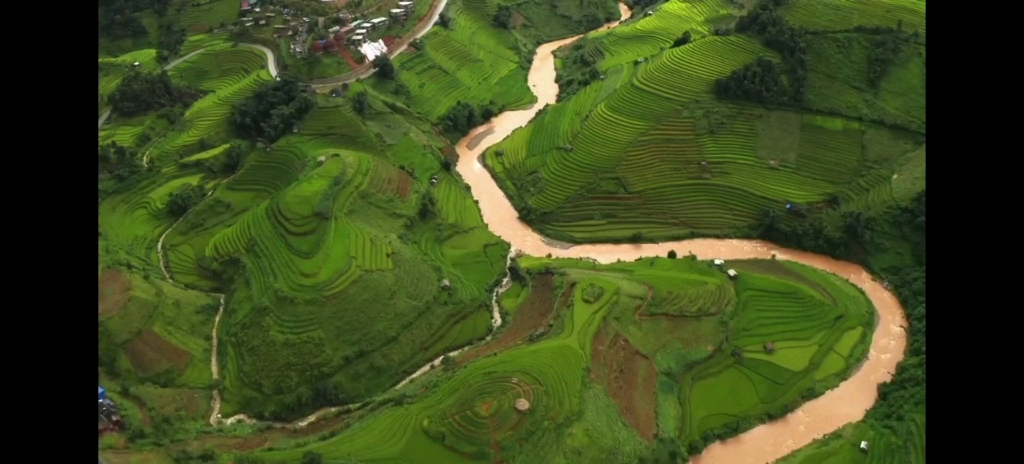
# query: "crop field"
{"points": [[472, 62], [835, 15], [651, 152], [199, 16], [470, 414]]}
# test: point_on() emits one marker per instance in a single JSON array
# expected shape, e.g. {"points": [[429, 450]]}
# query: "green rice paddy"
{"points": [[470, 415], [648, 150]]}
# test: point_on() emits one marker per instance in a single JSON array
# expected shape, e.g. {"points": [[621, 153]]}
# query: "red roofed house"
{"points": [[245, 5], [317, 46], [330, 44]]}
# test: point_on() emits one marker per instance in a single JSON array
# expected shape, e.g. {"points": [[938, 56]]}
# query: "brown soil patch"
{"points": [[403, 185], [200, 28], [347, 56], [115, 291], [629, 377], [448, 151], [150, 353], [389, 40], [533, 314]]}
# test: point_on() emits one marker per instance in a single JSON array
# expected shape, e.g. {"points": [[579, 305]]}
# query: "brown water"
{"points": [[846, 403]]}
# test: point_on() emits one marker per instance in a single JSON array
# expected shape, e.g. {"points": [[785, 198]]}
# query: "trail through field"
{"points": [[766, 443]]}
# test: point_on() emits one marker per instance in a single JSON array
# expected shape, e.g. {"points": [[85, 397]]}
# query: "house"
{"points": [[334, 30], [379, 22], [864, 445], [358, 39], [433, 180], [446, 285], [347, 30], [407, 6], [769, 347], [719, 262], [246, 5], [398, 13], [732, 273], [362, 31], [109, 416]]}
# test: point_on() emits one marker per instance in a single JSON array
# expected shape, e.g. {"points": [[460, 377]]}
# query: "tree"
{"points": [[311, 457], [445, 20], [503, 17], [384, 67], [183, 200], [360, 103], [272, 110], [671, 254], [682, 40]]}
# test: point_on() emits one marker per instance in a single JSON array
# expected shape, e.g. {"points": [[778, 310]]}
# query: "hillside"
{"points": [[290, 239], [649, 152], [287, 276]]}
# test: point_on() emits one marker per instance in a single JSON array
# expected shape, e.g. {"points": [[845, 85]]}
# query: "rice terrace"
{"points": [[530, 231]]}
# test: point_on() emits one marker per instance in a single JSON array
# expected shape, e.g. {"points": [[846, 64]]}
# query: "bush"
{"points": [[682, 40], [671, 254], [272, 111], [183, 200], [385, 68], [592, 293]]}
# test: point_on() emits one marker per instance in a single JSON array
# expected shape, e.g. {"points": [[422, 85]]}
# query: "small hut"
{"points": [[864, 445], [719, 262], [731, 273], [445, 285], [321, 159], [769, 347], [433, 180], [522, 405]]}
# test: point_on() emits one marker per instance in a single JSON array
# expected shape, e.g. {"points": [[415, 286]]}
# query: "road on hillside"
{"points": [[366, 69]]}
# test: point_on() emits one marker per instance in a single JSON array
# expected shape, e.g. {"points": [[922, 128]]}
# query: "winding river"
{"points": [[766, 443]]}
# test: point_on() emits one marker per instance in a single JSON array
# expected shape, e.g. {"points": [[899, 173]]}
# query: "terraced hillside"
{"points": [[331, 245], [673, 349], [474, 61], [647, 152]]}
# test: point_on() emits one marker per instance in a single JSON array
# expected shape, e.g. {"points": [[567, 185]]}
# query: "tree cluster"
{"points": [[385, 68], [579, 69], [760, 82], [118, 19], [884, 52], [172, 37], [682, 40], [444, 20], [503, 17], [768, 24], [183, 200], [360, 103], [139, 93], [272, 111], [463, 117], [119, 160]]}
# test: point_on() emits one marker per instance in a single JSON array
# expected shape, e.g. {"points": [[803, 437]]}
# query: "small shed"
{"points": [[731, 273], [322, 159], [135, 64], [397, 13], [407, 6], [769, 347], [433, 180], [864, 445], [719, 262], [522, 405], [378, 22], [103, 394], [446, 285], [334, 30], [358, 38]]}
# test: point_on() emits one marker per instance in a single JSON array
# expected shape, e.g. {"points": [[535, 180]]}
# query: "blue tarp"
{"points": [[103, 394]]}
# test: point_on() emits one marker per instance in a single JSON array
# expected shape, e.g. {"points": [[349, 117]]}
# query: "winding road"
{"points": [[766, 443]]}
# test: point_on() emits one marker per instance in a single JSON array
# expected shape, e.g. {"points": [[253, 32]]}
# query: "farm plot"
{"points": [[652, 155], [838, 15], [525, 396]]}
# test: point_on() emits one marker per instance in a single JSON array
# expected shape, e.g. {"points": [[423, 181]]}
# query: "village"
{"points": [[356, 38]]}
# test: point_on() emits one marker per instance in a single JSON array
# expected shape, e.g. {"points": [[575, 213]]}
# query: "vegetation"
{"points": [[272, 111], [140, 93], [350, 253]]}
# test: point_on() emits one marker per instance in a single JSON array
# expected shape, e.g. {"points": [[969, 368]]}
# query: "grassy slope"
{"points": [[638, 136], [474, 61], [271, 202], [571, 418]]}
